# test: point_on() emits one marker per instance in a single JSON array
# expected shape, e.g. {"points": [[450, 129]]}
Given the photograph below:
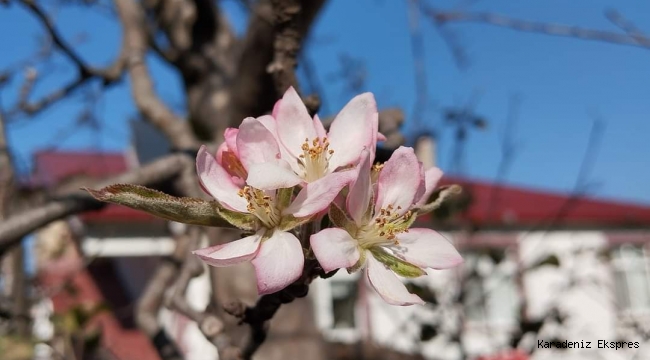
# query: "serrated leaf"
{"points": [[439, 196], [397, 265], [184, 209]]}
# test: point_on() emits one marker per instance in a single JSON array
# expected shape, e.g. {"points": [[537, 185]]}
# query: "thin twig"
{"points": [[155, 111], [445, 17]]}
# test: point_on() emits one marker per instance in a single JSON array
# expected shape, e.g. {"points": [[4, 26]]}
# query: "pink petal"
{"points": [[269, 123], [318, 126], [230, 136], [231, 253], [217, 182], [278, 263], [431, 178], [272, 125], [334, 248], [352, 130], [318, 195], [388, 286], [276, 108], [269, 176], [399, 181], [256, 144], [426, 248], [220, 150], [359, 195], [229, 144], [294, 123]]}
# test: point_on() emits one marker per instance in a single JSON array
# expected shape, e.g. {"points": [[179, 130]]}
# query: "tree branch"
{"points": [[136, 42], [13, 229], [18, 292], [286, 44], [257, 317], [150, 303], [444, 17], [209, 324], [254, 92], [7, 173], [54, 34], [109, 74]]}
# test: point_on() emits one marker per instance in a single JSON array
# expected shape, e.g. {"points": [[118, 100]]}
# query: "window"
{"points": [[344, 299], [490, 290], [337, 301], [631, 279]]}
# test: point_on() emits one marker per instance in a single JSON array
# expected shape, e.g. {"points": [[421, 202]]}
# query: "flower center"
{"points": [[261, 205], [384, 228], [314, 159]]}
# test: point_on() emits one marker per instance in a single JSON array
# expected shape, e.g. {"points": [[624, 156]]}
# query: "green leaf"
{"points": [[289, 222], [185, 210], [397, 265], [438, 198]]}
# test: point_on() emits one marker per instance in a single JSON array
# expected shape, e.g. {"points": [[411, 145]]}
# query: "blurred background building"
{"points": [[538, 266]]}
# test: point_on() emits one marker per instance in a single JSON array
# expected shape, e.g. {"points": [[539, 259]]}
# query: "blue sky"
{"points": [[563, 83]]}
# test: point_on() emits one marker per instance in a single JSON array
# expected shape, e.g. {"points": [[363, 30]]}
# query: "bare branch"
{"points": [[54, 34], [18, 291], [7, 173], [254, 82], [624, 24], [286, 44], [150, 303], [109, 74], [136, 42], [14, 228], [444, 17], [210, 325], [257, 317], [419, 61]]}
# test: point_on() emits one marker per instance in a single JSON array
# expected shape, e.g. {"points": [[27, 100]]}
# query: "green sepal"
{"points": [[284, 198], [359, 264], [397, 265], [340, 219], [186, 210]]}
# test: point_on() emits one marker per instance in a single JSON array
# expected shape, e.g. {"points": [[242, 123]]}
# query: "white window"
{"points": [[337, 306], [631, 280], [490, 290]]}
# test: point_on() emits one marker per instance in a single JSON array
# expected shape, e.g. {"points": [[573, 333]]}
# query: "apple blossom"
{"points": [[275, 252], [311, 153], [374, 231]]}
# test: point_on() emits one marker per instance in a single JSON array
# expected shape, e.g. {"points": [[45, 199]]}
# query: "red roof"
{"points": [[494, 205], [51, 167], [490, 205], [123, 343]]}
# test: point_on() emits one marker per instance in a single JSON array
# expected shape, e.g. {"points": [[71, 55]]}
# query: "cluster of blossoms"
{"points": [[283, 170]]}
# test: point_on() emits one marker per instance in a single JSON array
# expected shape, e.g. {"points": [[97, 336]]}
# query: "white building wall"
{"points": [[581, 288]]}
